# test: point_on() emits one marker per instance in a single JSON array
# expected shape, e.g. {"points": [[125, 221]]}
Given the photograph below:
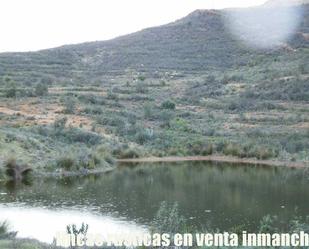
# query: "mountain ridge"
{"points": [[198, 42]]}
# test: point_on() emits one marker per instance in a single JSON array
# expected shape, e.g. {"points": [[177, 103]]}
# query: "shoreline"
{"points": [[173, 159], [77, 173], [216, 158]]}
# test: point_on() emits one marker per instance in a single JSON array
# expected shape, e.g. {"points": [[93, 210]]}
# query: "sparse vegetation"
{"points": [[5, 232], [255, 106]]}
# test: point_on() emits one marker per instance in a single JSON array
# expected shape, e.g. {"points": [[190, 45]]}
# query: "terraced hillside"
{"points": [[186, 88]]}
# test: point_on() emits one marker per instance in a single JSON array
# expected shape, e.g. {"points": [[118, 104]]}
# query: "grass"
{"points": [[5, 232]]}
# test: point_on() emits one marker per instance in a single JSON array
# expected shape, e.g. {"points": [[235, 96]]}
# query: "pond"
{"points": [[127, 199]]}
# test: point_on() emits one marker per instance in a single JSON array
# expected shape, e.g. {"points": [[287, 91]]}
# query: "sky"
{"points": [[29, 25]]}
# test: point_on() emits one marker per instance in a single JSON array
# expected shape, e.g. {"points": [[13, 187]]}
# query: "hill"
{"points": [[188, 88], [201, 41]]}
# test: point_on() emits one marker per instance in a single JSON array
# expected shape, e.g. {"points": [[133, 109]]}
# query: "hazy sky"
{"points": [[37, 24]]}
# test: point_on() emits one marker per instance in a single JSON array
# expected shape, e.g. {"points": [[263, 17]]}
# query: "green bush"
{"points": [[168, 104], [75, 135], [66, 163], [60, 123], [69, 105], [94, 110], [144, 135], [41, 90], [179, 124], [141, 78], [248, 151], [268, 224], [294, 89], [126, 152], [148, 111], [111, 95], [141, 87], [83, 158], [201, 148], [4, 231], [11, 91], [232, 149], [92, 99], [69, 135], [165, 117]]}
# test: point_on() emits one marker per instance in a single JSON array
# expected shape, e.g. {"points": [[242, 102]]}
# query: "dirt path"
{"points": [[62, 90], [215, 158]]}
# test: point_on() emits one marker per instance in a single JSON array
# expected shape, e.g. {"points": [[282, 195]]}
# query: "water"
{"points": [[209, 195]]}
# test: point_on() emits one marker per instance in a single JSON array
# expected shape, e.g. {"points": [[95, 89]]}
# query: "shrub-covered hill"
{"points": [[200, 41], [188, 88]]}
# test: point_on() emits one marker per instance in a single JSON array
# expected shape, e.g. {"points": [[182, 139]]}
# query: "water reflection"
{"points": [[216, 195], [43, 224]]}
